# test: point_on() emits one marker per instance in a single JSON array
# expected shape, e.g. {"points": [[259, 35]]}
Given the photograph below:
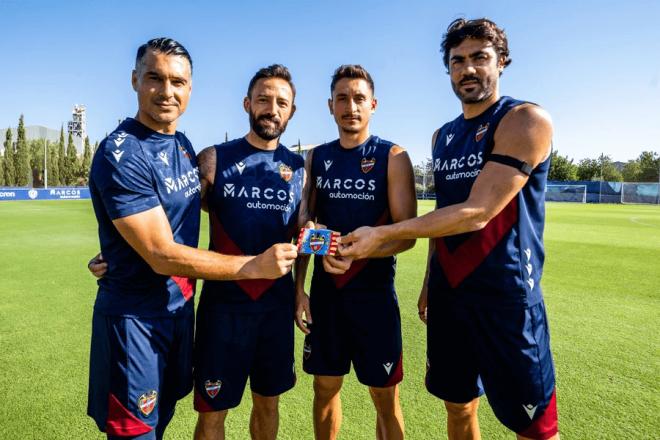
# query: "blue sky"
{"points": [[594, 65]]}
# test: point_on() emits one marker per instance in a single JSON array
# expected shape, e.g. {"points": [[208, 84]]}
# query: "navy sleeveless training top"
{"points": [[501, 264], [351, 191], [253, 204]]}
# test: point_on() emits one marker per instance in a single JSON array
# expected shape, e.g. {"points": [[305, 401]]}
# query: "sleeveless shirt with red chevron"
{"points": [[502, 263]]}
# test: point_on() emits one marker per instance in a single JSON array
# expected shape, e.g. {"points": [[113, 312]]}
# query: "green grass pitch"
{"points": [[602, 290]]}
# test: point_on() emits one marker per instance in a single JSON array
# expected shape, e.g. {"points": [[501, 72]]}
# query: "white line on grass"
{"points": [[636, 220]]}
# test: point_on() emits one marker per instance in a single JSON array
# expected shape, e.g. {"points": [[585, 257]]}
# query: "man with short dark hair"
{"points": [[245, 328], [481, 298], [145, 189], [356, 180]]}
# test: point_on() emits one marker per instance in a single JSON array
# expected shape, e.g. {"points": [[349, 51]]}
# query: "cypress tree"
{"points": [[10, 176], [37, 162], [53, 165], [71, 162], [61, 159], [86, 160], [22, 158]]}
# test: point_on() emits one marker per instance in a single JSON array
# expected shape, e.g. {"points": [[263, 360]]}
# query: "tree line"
{"points": [[22, 163], [644, 168]]}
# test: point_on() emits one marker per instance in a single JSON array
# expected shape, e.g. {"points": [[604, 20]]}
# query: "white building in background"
{"points": [[77, 126], [302, 149], [31, 132]]}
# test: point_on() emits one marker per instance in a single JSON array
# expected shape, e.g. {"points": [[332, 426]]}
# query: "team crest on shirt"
{"points": [[307, 350], [147, 402], [481, 131], [183, 151], [285, 172], [367, 165], [316, 242], [212, 387]]}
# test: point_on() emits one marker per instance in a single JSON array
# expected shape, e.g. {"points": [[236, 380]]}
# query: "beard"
{"points": [[482, 90], [264, 130]]}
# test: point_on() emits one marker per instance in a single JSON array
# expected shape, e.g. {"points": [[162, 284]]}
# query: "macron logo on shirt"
{"points": [[121, 137], [118, 154], [163, 157]]}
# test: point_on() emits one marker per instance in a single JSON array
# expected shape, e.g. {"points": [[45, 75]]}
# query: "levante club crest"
{"points": [[481, 131], [285, 172], [316, 242], [147, 402], [367, 165], [183, 151], [212, 387]]}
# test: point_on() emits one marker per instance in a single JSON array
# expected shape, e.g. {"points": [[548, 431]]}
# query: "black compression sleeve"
{"points": [[521, 166]]}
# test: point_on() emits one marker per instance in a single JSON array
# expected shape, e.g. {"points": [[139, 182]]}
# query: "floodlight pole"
{"points": [[658, 202], [45, 164], [600, 185], [424, 180]]}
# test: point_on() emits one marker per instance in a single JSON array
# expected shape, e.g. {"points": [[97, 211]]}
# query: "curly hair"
{"points": [[479, 29]]}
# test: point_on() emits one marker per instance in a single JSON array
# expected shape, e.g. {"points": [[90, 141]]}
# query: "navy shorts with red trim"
{"points": [[363, 328], [139, 368], [231, 346], [504, 352]]}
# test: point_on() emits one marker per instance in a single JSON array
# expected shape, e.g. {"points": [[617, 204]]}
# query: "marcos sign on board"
{"points": [[63, 193]]}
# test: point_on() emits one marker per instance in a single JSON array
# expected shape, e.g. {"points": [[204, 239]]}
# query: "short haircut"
{"points": [[165, 46], [272, 71], [352, 71], [480, 29]]}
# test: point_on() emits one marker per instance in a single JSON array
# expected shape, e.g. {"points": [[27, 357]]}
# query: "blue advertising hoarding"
{"points": [[60, 193]]}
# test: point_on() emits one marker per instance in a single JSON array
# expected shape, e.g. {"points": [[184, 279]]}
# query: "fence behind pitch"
{"points": [[603, 192]]}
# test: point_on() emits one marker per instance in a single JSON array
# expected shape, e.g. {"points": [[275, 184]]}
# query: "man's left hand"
{"points": [[97, 266], [336, 265], [360, 243]]}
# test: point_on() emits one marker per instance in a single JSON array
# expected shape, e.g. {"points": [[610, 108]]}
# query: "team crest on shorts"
{"points": [[285, 172], [367, 165], [147, 402], [481, 131], [212, 387], [307, 350]]}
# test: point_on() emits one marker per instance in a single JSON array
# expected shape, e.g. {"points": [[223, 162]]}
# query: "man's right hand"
{"points": [[422, 303], [302, 307], [97, 266], [275, 262]]}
